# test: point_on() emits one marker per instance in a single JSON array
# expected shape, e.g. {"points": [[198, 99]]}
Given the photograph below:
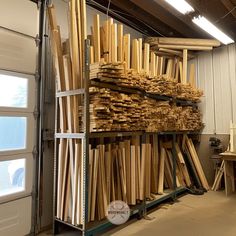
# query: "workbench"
{"points": [[229, 158]]}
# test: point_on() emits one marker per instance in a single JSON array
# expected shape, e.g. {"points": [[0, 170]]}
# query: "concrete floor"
{"points": [[211, 214]]}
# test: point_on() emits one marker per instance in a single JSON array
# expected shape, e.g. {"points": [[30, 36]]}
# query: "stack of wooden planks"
{"points": [[127, 169], [187, 92], [115, 73], [68, 64], [115, 111]]}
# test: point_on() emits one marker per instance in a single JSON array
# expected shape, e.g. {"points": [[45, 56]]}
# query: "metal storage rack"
{"points": [[140, 209]]}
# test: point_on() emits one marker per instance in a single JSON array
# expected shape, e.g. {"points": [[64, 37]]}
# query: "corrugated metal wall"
{"points": [[216, 75]]}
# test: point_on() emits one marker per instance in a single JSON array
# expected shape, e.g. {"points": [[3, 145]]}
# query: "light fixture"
{"points": [[211, 29], [181, 5]]}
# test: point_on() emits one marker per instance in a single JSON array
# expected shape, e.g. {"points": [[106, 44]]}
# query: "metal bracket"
{"points": [[37, 76], [35, 152], [48, 135], [36, 113], [37, 40], [39, 4]]}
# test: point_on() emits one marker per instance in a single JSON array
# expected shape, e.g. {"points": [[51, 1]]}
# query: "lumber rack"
{"points": [[125, 89], [139, 210]]}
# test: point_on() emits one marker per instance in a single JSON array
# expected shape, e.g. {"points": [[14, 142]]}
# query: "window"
{"points": [[13, 133], [12, 176], [13, 91]]}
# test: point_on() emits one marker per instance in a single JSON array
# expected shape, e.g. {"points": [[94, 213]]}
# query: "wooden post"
{"points": [[96, 27], [146, 58], [120, 43], [114, 43], [185, 62], [127, 50]]}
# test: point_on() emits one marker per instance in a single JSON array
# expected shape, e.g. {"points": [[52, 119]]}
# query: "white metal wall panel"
{"points": [[222, 90], [232, 76], [205, 82], [216, 75]]}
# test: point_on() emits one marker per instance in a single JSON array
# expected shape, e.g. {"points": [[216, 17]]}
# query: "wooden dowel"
{"points": [[120, 43], [146, 58]]}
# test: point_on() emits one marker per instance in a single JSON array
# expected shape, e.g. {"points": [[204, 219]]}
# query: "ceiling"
{"points": [[158, 18]]}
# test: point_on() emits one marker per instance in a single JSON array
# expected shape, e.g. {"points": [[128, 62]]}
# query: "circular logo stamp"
{"points": [[118, 212]]}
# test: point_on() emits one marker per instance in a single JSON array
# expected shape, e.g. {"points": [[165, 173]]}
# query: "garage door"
{"points": [[18, 53]]}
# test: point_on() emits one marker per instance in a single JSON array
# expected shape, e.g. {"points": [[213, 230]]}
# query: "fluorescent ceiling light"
{"points": [[211, 29], [181, 5]]}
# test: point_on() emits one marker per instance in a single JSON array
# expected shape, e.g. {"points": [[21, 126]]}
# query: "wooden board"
{"points": [[161, 172]]}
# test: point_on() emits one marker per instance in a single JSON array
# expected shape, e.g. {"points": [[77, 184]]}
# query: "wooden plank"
{"points": [[154, 164], [120, 43], [169, 68], [197, 163], [106, 40], [185, 64], [148, 171], [127, 50], [128, 170], [161, 172], [133, 176], [168, 171], [110, 23], [114, 43], [138, 171], [143, 169], [91, 55], [219, 176], [96, 27], [160, 67], [94, 186], [153, 64], [181, 71], [192, 75], [75, 204], [229, 177], [189, 41], [91, 160], [177, 71], [146, 58], [183, 167], [193, 48], [140, 54], [62, 167]]}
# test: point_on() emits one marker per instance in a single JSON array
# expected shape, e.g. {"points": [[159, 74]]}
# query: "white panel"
{"points": [[232, 76], [205, 82], [223, 105], [15, 217], [19, 15], [17, 53]]}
